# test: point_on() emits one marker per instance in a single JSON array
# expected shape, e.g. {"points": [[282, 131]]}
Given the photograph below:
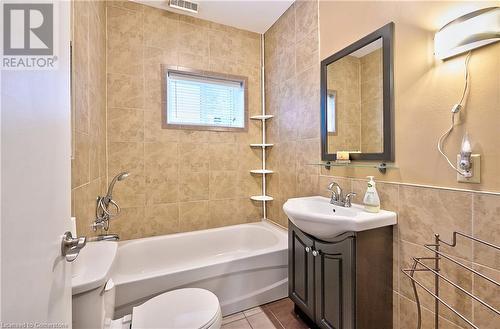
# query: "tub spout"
{"points": [[105, 237]]}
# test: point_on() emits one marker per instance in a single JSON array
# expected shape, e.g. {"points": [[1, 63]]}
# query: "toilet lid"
{"points": [[182, 308]]}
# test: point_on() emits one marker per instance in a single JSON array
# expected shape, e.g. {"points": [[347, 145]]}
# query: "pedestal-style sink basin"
{"points": [[92, 267], [317, 217]]}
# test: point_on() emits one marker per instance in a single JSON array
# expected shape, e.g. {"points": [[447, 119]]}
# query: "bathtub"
{"points": [[244, 265]]}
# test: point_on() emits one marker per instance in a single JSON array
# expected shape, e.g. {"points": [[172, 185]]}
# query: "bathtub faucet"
{"points": [[105, 237], [102, 212]]}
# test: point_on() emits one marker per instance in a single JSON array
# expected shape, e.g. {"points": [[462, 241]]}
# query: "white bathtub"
{"points": [[244, 265]]}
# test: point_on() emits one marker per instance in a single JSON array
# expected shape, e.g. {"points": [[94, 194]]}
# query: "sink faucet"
{"points": [[338, 198]]}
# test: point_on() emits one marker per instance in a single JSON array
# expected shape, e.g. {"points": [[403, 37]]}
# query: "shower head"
{"points": [[121, 176]]}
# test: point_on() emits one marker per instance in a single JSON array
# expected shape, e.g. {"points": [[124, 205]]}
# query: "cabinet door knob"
{"points": [[315, 253], [308, 249]]}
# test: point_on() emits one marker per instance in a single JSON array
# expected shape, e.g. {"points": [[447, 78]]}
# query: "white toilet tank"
{"points": [[94, 309]]}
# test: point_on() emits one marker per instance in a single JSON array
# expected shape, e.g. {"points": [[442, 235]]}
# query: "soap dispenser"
{"points": [[371, 199]]}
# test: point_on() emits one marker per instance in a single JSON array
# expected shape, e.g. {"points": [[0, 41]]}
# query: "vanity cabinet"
{"points": [[344, 283]]}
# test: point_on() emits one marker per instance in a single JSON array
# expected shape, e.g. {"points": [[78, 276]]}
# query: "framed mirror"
{"points": [[357, 104]]}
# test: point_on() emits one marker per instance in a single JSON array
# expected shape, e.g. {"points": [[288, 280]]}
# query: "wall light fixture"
{"points": [[473, 30]]}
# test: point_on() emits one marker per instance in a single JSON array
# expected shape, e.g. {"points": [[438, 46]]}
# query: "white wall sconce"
{"points": [[473, 30]]}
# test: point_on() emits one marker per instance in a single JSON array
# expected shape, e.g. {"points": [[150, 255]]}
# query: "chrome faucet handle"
{"points": [[348, 197]]}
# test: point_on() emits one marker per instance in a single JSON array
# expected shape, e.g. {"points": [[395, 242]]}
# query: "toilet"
{"points": [[187, 308], [181, 308]]}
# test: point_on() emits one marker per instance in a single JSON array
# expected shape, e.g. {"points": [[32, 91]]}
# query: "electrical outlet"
{"points": [[475, 170]]}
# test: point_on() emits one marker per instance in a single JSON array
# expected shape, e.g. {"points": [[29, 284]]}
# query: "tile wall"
{"points": [[88, 167], [292, 95], [182, 180]]}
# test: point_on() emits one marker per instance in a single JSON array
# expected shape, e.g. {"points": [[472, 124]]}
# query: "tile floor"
{"points": [[275, 315]]}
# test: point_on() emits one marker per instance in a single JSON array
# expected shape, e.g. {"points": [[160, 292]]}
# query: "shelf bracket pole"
{"points": [[436, 282]]}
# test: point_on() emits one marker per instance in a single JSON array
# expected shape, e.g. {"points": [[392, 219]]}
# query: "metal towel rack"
{"points": [[419, 266]]}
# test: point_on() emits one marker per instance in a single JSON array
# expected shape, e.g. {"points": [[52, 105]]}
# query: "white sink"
{"points": [[92, 267], [317, 217]]}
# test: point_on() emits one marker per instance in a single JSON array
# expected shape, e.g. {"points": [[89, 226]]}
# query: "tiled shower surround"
{"points": [[292, 93], [182, 180]]}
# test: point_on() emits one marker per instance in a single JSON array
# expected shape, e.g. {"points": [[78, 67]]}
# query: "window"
{"points": [[204, 101], [331, 105]]}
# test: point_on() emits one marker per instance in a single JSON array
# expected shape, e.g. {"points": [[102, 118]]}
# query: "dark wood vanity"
{"points": [[344, 283]]}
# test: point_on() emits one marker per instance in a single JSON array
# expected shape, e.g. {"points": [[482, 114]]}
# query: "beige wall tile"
{"points": [[193, 216], [128, 156], [307, 52], [222, 185], [81, 102], [488, 292], [125, 125], [162, 219], [408, 317], [193, 136], [223, 156], [125, 91], [251, 158], [124, 41], [194, 157], [486, 218], [222, 212], [153, 131], [80, 165], [153, 59], [193, 40], [160, 28], [249, 184], [161, 172], [193, 186], [426, 211], [153, 96], [306, 13], [249, 211], [129, 224], [95, 139], [395, 314]]}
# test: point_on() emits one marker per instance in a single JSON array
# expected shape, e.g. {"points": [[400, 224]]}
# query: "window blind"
{"points": [[204, 101]]}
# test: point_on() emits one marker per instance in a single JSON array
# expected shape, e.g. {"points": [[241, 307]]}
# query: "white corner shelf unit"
{"points": [[263, 145], [264, 197], [261, 198]]}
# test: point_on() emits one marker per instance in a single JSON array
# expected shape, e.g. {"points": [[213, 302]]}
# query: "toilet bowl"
{"points": [[188, 308], [179, 309]]}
